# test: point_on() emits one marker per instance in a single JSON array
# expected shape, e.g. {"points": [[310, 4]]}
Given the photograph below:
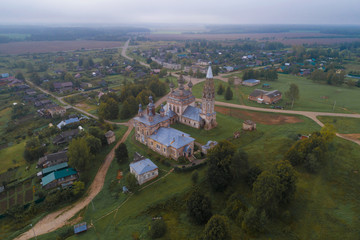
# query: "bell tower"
{"points": [[208, 113]]}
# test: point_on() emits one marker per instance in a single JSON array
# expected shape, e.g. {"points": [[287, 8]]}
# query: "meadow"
{"points": [[342, 124], [313, 96]]}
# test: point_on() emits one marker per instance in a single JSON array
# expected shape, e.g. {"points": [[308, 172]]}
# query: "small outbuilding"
{"points": [[249, 125], [110, 137], [210, 144], [144, 170], [79, 228]]}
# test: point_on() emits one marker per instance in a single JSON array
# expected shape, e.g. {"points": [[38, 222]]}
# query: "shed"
{"points": [[79, 228], [110, 137]]}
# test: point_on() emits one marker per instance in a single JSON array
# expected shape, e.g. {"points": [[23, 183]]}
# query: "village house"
{"points": [[56, 111], [65, 137], [52, 159], [144, 170], [85, 85], [61, 87], [249, 125], [267, 97], [67, 121], [63, 178], [51, 169], [110, 137]]}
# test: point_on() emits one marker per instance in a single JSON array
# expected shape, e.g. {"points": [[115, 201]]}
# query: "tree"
{"points": [[293, 93], [125, 111], [131, 181], [34, 149], [254, 221], [199, 207], [217, 228], [94, 143], [228, 93], [121, 153], [98, 133], [157, 228], [35, 78], [239, 164], [219, 158], [195, 176], [79, 154], [109, 109], [267, 191], [78, 188], [220, 89], [20, 76], [163, 72], [288, 177]]}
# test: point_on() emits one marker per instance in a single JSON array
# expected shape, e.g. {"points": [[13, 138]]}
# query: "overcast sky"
{"points": [[180, 11]]}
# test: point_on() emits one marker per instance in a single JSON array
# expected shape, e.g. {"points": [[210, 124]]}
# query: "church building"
{"points": [[153, 129]]}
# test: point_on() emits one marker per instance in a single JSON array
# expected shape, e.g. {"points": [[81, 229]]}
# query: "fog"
{"points": [[115, 12]]}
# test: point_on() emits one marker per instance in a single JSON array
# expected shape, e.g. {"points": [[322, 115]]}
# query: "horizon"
{"points": [[136, 12]]}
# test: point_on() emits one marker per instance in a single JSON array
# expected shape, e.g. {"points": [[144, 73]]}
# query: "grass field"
{"points": [[313, 96], [12, 156], [342, 124]]}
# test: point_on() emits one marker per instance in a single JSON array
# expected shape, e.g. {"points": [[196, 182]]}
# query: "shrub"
{"points": [[157, 228]]}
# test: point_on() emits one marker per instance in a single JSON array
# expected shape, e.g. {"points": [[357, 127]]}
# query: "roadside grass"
{"points": [[342, 124], [313, 96]]}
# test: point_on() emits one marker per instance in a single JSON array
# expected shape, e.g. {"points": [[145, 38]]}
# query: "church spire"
{"points": [[209, 73]]}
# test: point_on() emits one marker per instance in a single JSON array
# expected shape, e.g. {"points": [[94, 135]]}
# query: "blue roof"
{"points": [[192, 113], [78, 228], [143, 166], [156, 119], [54, 168], [171, 137], [71, 120], [252, 81], [67, 121], [57, 175]]}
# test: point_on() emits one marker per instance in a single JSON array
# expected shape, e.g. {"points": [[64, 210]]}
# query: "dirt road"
{"points": [[59, 218]]}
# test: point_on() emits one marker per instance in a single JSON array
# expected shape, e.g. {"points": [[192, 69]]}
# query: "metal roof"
{"points": [[192, 113], [57, 175], [143, 166], [54, 168], [156, 119], [171, 137]]}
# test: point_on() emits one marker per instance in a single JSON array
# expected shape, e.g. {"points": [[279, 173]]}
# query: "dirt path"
{"points": [[59, 218]]}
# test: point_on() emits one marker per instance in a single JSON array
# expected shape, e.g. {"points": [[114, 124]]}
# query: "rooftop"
{"points": [[192, 113], [57, 175], [54, 168], [156, 119], [143, 166], [171, 137]]}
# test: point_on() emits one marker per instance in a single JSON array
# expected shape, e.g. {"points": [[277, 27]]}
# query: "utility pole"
{"points": [[334, 105], [33, 231]]}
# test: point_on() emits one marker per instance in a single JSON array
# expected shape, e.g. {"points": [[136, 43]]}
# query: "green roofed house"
{"points": [[54, 168], [62, 177]]}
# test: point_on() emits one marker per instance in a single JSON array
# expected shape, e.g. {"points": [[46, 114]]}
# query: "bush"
{"points": [[157, 228], [195, 176]]}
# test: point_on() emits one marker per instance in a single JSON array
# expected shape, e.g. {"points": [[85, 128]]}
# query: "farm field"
{"points": [[54, 46], [313, 96]]}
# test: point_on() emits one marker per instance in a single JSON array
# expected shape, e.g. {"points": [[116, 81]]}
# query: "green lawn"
{"points": [[12, 156], [313, 96], [342, 124]]}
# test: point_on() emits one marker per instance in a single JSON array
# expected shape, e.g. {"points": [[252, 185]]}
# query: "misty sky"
{"points": [[180, 11]]}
